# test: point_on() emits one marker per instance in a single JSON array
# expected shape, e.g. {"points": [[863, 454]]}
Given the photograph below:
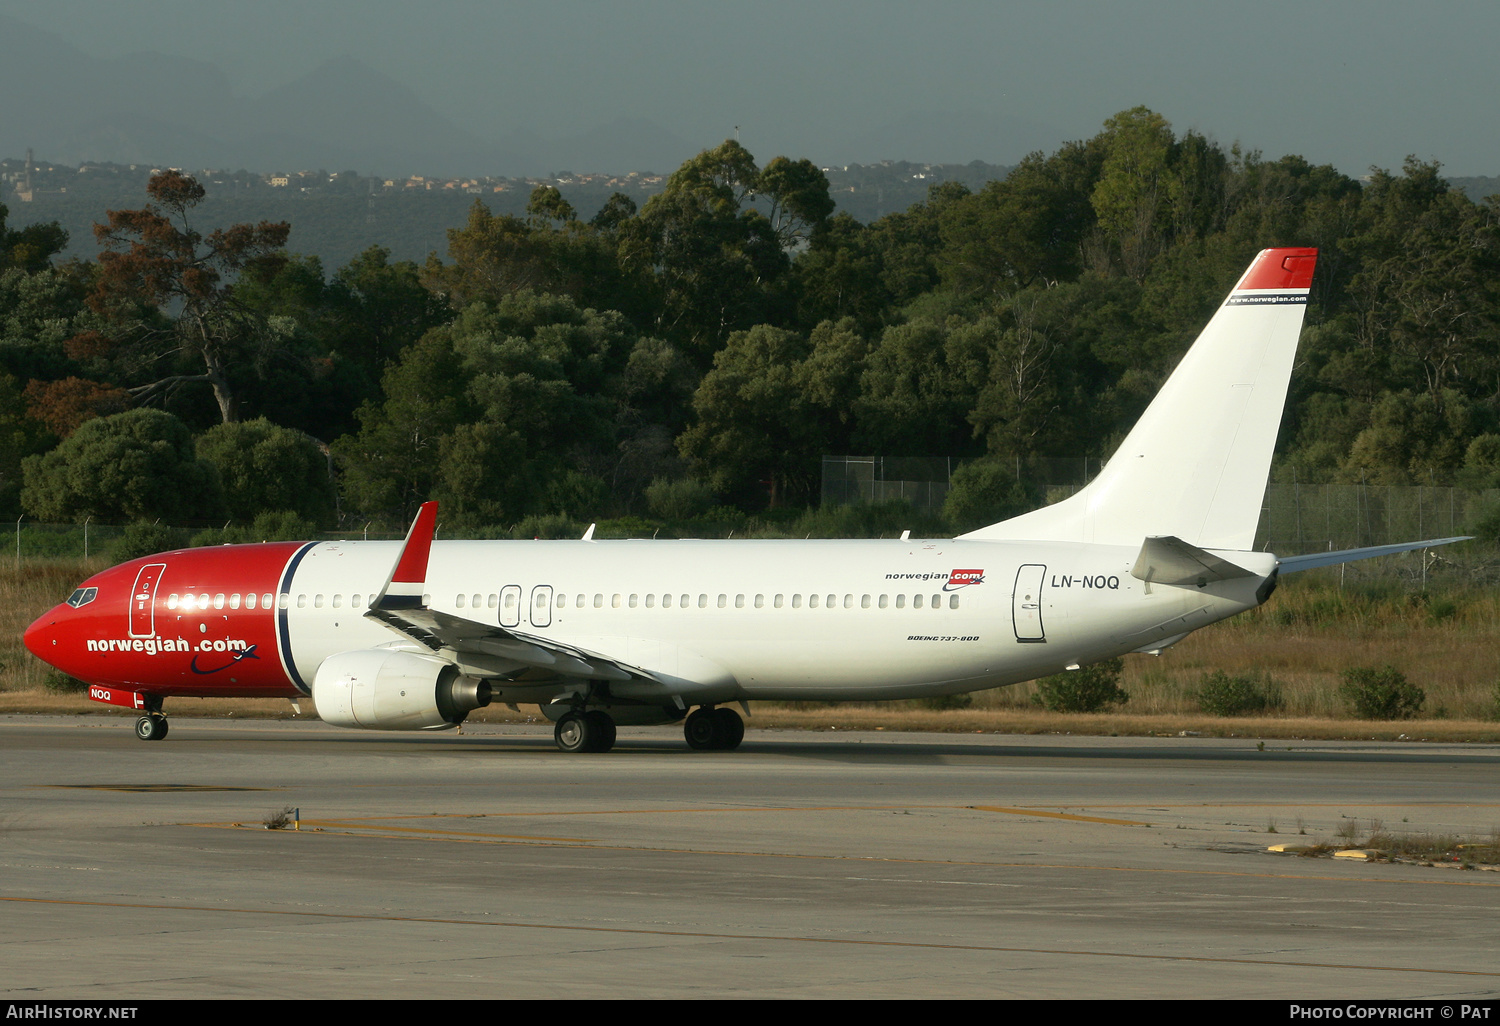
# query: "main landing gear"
{"points": [[708, 728], [591, 731], [711, 728]]}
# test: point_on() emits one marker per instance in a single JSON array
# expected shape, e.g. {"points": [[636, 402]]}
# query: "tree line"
{"points": [[701, 351]]}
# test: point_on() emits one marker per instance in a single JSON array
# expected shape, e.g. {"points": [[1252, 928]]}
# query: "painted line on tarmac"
{"points": [[1057, 815], [778, 938]]}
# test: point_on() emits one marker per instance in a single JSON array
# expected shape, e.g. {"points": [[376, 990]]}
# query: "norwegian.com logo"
{"points": [[963, 578]]}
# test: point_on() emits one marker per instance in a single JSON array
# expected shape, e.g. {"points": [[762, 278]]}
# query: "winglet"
{"points": [[403, 590]]}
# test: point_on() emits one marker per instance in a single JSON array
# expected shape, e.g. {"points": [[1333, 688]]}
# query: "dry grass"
{"points": [[1446, 642]]}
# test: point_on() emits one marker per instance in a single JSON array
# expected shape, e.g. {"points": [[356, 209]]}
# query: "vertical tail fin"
{"points": [[1195, 464]]}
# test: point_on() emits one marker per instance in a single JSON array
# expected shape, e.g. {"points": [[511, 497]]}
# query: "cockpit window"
{"points": [[82, 597]]}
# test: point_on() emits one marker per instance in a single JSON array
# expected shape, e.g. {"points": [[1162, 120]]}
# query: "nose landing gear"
{"points": [[151, 727]]}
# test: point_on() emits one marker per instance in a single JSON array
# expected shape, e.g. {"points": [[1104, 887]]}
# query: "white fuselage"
{"points": [[716, 621]]}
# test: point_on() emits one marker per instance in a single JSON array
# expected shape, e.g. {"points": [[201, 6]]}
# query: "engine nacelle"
{"points": [[385, 689]]}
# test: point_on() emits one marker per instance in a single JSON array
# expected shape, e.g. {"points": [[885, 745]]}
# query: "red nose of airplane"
{"points": [[40, 638]]}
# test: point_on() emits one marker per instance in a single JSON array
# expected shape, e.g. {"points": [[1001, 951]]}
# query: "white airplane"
{"points": [[413, 636]]}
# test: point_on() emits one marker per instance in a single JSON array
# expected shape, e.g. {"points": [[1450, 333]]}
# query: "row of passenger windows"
{"points": [[650, 601], [222, 601], [668, 601]]}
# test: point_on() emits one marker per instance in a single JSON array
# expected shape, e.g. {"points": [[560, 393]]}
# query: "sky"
{"points": [[1352, 84]]}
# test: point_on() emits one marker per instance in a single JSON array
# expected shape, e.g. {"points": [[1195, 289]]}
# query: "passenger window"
{"points": [[778, 602], [937, 602], [760, 602], [475, 601], [171, 599], [702, 601], [250, 601], [598, 601], [833, 601], [952, 601], [338, 600], [301, 601], [459, 601], [202, 601], [796, 601], [650, 601], [354, 602], [900, 601], [916, 601], [864, 602], [219, 600], [739, 602], [666, 602], [615, 602], [883, 601], [317, 601], [493, 601], [284, 601], [812, 602]]}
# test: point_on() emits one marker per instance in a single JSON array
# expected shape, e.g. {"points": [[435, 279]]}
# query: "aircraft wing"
{"points": [[488, 650], [481, 649]]}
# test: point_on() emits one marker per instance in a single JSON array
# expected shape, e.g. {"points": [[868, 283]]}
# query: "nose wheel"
{"points": [[152, 727], [714, 729]]}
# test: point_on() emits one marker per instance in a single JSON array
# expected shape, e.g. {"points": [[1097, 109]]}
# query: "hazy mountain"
{"points": [[946, 136], [71, 107]]}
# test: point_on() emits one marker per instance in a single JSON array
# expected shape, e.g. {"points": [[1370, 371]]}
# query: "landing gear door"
{"points": [[143, 601], [510, 606], [1026, 603]]}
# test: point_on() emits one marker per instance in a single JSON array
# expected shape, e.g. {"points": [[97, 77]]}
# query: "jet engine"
{"points": [[385, 689]]}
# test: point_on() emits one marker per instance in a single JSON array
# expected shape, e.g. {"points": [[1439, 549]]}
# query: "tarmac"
{"points": [[805, 864]]}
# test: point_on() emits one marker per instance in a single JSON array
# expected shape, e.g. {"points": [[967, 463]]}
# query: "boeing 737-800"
{"points": [[415, 635]]}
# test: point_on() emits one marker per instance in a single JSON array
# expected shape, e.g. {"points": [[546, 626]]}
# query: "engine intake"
{"points": [[383, 689]]}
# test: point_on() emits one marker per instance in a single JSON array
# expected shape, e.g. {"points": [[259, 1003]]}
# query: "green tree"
{"points": [[138, 465], [264, 468], [714, 243], [1132, 199], [32, 248], [984, 492], [751, 425]]}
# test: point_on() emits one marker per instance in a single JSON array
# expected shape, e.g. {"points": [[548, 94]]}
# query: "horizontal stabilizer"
{"points": [[1291, 564], [1170, 560]]}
